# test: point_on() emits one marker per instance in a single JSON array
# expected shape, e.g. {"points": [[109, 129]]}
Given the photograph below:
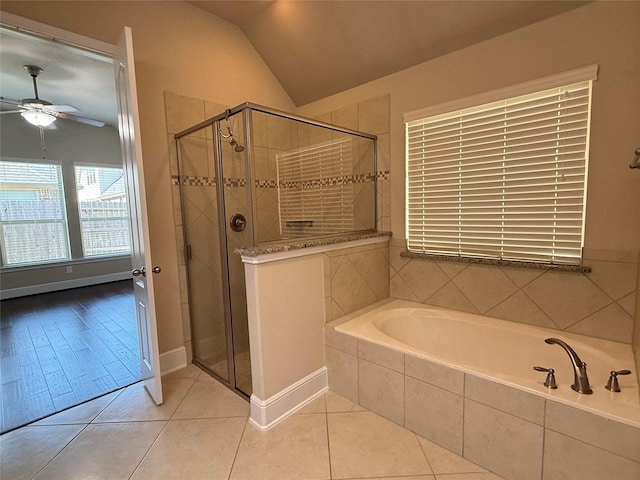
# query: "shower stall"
{"points": [[251, 177]]}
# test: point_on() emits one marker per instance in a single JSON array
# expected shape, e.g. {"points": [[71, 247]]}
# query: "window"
{"points": [[33, 217], [315, 188], [102, 206], [36, 213], [503, 179]]}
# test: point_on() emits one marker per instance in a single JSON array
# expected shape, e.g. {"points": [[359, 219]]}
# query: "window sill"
{"points": [[497, 262], [63, 263]]}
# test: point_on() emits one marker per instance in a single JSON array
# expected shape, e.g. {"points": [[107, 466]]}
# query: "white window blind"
{"points": [[33, 219], [315, 188], [503, 180], [102, 204]]}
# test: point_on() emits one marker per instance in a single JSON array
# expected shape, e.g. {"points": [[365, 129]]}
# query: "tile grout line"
{"points": [[326, 419], [149, 448], [544, 438], [61, 450], [235, 457]]}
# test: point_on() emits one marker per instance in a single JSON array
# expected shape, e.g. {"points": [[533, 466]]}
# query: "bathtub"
{"points": [[505, 352], [467, 383]]}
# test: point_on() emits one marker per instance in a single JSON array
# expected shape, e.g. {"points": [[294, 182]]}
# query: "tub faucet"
{"points": [[580, 379]]}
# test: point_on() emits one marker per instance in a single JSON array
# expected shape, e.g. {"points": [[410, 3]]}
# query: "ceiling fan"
{"points": [[42, 113]]}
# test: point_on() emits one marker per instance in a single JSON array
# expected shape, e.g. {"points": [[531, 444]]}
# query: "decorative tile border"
{"points": [[196, 181], [235, 182], [323, 182], [193, 181]]}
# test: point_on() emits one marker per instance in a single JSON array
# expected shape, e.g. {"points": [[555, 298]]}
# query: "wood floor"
{"points": [[63, 348]]}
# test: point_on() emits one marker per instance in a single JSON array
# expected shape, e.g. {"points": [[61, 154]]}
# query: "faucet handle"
{"points": [[550, 382], [612, 384]]}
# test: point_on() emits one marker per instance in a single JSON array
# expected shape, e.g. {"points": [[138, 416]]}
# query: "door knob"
{"points": [[136, 272], [156, 269]]}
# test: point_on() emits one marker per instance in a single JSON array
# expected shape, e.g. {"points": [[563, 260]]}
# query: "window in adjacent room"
{"points": [[102, 204], [33, 217], [503, 175]]}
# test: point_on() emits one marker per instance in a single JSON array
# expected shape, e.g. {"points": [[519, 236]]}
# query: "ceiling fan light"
{"points": [[39, 119]]}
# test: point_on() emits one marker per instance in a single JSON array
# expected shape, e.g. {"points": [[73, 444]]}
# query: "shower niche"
{"points": [[253, 177]]}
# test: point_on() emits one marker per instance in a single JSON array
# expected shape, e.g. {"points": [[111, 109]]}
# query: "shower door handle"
{"points": [[237, 222]]}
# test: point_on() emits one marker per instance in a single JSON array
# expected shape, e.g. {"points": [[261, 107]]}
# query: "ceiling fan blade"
{"points": [[10, 101], [62, 108], [79, 119]]}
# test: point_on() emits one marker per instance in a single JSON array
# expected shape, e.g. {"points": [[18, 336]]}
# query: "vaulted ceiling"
{"points": [[316, 48]]}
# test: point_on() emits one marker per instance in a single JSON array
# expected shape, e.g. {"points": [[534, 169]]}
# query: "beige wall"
{"points": [[181, 49], [286, 312], [605, 33]]}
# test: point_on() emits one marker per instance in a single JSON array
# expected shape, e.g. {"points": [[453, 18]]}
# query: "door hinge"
{"points": [[187, 252]]}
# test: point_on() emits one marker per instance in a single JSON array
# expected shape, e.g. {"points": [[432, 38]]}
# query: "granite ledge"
{"points": [[298, 244]]}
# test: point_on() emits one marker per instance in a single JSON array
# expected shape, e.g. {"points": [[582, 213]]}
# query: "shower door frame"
{"points": [[214, 123]]}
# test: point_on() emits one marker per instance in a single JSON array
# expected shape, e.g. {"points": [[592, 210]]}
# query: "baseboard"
{"points": [[266, 414], [63, 285], [173, 360]]}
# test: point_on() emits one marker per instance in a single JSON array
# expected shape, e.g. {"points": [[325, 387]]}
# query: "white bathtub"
{"points": [[504, 352]]}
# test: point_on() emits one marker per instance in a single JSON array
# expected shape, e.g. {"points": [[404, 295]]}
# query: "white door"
{"points": [[143, 270]]}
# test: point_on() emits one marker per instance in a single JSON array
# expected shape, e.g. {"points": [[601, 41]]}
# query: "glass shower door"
{"points": [[203, 253]]}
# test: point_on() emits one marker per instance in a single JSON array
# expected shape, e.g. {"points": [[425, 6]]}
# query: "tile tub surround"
{"points": [[515, 434], [599, 304]]}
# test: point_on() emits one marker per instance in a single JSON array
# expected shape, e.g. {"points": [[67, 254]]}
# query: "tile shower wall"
{"points": [[599, 304], [354, 278], [273, 136], [198, 183]]}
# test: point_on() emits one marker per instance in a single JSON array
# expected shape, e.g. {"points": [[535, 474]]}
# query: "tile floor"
{"points": [[202, 432]]}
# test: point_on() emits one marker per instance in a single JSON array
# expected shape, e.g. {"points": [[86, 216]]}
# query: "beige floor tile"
{"points": [[105, 451], [413, 477], [468, 476], [208, 398], [190, 371], [83, 413], [444, 461], [295, 449], [363, 444], [25, 451], [337, 403], [193, 450], [316, 406], [135, 404]]}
